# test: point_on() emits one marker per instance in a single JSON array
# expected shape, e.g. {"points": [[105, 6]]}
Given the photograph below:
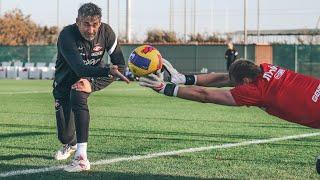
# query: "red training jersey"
{"points": [[283, 93]]}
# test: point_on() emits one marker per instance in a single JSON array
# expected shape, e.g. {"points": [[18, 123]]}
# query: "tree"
{"points": [[18, 29], [161, 36]]}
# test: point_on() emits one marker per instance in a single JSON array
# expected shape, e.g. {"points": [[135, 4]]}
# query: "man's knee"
{"points": [[79, 100]]}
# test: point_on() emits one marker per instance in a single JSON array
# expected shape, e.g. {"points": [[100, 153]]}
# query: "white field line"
{"points": [[160, 154]]}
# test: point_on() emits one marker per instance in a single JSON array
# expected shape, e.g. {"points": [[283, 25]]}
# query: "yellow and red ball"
{"points": [[145, 60]]}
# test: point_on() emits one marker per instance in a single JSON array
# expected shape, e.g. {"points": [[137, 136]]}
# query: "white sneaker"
{"points": [[65, 152], [78, 164]]}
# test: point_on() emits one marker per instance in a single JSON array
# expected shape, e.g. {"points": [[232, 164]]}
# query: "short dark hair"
{"points": [[241, 68], [89, 9]]}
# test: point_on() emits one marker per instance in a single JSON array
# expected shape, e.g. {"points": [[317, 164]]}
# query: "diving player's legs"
{"points": [[82, 118], [65, 127]]}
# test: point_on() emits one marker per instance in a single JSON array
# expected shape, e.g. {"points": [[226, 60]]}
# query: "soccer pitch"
{"points": [[138, 134]]}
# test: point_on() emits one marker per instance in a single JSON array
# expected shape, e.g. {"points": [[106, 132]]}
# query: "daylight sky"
{"points": [[211, 15]]}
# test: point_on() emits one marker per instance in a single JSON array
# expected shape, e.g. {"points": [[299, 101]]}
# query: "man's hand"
{"points": [[153, 81], [82, 85], [174, 76], [115, 72]]}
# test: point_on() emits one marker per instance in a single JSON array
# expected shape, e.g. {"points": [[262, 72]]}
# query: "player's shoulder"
{"points": [[70, 30], [266, 66], [106, 28]]}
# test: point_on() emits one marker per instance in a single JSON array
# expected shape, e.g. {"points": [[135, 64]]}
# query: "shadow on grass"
{"points": [[105, 175], [231, 121], [25, 113], [182, 119], [175, 133], [27, 126], [245, 123], [29, 148], [144, 132], [272, 161], [23, 134], [23, 156]]}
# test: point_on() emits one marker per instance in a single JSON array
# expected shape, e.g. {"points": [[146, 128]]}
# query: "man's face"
{"points": [[89, 26]]}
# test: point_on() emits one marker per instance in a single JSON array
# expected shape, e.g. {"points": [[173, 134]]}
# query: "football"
{"points": [[144, 60]]}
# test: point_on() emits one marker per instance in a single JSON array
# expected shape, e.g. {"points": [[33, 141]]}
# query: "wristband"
{"points": [[190, 79], [171, 90], [175, 92]]}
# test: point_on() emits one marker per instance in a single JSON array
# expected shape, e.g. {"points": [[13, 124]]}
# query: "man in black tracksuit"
{"points": [[81, 47], [230, 55]]}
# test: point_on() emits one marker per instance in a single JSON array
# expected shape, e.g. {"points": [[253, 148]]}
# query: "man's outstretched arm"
{"points": [[206, 95], [213, 80], [206, 80], [193, 93]]}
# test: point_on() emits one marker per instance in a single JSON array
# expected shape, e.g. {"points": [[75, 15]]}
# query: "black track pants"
{"points": [[72, 115]]}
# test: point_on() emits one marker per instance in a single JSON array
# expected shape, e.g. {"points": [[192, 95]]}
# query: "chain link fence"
{"points": [[192, 58]]}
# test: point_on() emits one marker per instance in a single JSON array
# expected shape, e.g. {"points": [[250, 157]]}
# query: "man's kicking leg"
{"points": [[82, 118], [66, 128]]}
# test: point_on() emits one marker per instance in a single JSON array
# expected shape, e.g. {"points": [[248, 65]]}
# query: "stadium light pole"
{"points": [[128, 23], [58, 14], [171, 20], [318, 23], [258, 20], [194, 16], [185, 20], [118, 18], [108, 11], [226, 24], [0, 7], [211, 15], [245, 28]]}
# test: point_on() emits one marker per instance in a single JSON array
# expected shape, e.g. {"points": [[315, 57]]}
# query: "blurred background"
{"points": [[192, 34]]}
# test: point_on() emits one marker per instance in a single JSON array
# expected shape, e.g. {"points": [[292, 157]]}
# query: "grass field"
{"points": [[127, 120]]}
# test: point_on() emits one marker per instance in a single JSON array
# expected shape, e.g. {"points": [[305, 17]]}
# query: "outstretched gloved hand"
{"points": [[156, 83], [174, 76]]}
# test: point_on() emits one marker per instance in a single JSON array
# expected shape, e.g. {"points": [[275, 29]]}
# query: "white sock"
{"points": [[81, 150]]}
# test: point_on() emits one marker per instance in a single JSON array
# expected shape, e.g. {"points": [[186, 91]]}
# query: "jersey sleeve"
{"points": [[247, 95], [68, 48], [113, 47]]}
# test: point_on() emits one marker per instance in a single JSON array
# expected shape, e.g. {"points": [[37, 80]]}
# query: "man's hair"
{"points": [[241, 68], [89, 9]]}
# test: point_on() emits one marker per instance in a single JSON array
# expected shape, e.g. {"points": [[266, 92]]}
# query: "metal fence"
{"points": [[304, 59], [28, 53], [190, 58]]}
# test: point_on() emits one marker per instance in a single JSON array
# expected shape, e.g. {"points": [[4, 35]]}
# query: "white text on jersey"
{"points": [[270, 73], [316, 94], [272, 70]]}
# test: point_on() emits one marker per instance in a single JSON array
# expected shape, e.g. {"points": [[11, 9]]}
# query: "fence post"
{"points": [[28, 52], [296, 58], [196, 57]]}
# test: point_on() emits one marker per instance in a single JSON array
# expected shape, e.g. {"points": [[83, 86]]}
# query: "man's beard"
{"points": [[88, 37]]}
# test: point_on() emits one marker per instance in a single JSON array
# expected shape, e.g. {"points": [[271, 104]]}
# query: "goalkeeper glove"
{"points": [[157, 84], [176, 77]]}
